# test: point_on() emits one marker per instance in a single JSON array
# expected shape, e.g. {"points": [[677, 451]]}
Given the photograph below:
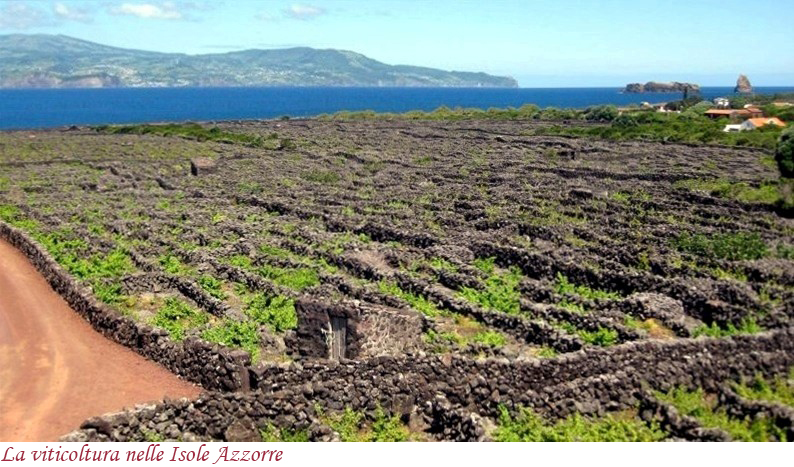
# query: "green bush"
{"points": [[747, 326], [528, 426], [779, 390], [238, 334], [294, 278], [172, 265], [490, 338], [212, 286], [696, 404], [562, 286], [500, 291], [277, 312], [601, 113], [325, 177], [176, 317], [417, 302], [784, 153], [351, 427]]}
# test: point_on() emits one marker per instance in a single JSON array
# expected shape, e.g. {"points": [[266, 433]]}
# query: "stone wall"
{"points": [[372, 330], [211, 366], [605, 374], [448, 398]]}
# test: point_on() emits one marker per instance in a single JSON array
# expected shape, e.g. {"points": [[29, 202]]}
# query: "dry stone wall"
{"points": [[211, 366]]}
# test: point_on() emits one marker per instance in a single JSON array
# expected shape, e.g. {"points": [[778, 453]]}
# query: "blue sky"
{"points": [[542, 43]]}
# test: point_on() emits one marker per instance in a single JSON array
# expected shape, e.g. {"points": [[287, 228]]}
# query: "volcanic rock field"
{"points": [[414, 280]]}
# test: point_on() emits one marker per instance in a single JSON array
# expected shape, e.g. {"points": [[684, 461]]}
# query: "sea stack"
{"points": [[743, 85]]}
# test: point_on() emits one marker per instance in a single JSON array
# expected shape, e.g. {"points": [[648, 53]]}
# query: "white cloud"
{"points": [[300, 11], [19, 16], [296, 11], [167, 10], [64, 12]]}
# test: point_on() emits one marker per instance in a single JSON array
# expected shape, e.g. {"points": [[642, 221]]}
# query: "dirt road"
{"points": [[55, 370]]}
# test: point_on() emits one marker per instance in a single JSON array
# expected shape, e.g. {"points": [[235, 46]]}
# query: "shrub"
{"points": [[325, 177], [528, 426], [784, 153], [172, 265], [562, 286], [176, 316], [500, 291], [212, 286], [238, 334], [294, 278], [490, 338], [351, 427], [276, 312], [747, 326], [696, 404], [601, 113], [780, 389], [419, 303], [625, 121]]}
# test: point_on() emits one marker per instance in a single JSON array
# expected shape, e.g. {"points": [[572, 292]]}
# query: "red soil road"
{"points": [[55, 370]]}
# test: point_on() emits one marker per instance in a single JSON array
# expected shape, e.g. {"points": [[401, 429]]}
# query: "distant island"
{"points": [[56, 61], [653, 86]]}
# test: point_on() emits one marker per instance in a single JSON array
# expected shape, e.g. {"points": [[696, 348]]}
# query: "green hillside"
{"points": [[47, 61]]}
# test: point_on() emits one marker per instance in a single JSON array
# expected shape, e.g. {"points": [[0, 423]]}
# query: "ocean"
{"points": [[46, 108]]}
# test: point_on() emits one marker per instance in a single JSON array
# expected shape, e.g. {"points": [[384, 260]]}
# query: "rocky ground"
{"points": [[487, 243]]}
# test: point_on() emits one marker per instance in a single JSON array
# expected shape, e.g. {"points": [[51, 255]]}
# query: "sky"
{"points": [[541, 43]]}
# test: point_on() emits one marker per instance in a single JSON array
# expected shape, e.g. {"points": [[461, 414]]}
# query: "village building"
{"points": [[735, 114], [722, 103], [755, 123], [730, 128]]}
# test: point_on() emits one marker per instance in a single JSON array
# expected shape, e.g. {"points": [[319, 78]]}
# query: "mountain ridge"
{"points": [[58, 61]]}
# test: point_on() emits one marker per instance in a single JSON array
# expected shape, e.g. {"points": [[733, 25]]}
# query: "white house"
{"points": [[754, 123], [732, 128], [722, 103]]}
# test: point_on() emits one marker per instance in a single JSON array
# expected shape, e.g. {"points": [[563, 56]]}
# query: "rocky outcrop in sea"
{"points": [[743, 85], [653, 86]]}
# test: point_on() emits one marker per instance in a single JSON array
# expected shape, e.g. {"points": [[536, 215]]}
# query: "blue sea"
{"points": [[43, 108]]}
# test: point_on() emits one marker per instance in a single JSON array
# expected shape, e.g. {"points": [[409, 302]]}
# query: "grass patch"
{"points": [[696, 404], [173, 265], [563, 286], [528, 426], [176, 317], [500, 290], [601, 337], [418, 303], [276, 312], [490, 338], [238, 334], [324, 177], [747, 326], [731, 246], [766, 193], [193, 131], [352, 427], [271, 434], [212, 286], [779, 390], [293, 278]]}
